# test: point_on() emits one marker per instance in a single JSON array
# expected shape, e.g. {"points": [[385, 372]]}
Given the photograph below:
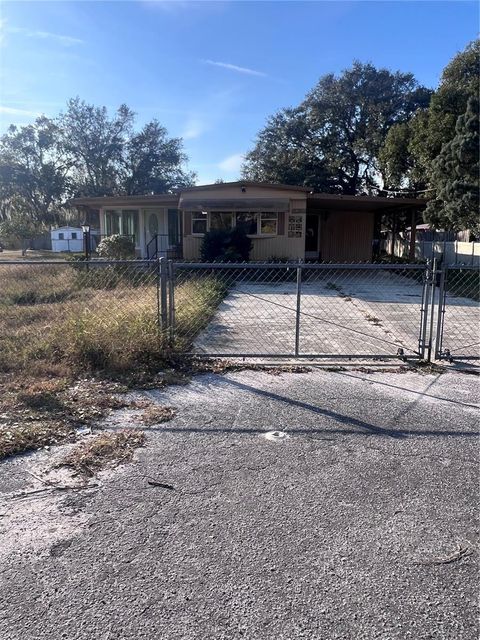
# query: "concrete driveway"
{"points": [[364, 313], [362, 524], [369, 313]]}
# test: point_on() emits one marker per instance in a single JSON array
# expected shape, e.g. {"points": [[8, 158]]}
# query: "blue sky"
{"points": [[211, 72]]}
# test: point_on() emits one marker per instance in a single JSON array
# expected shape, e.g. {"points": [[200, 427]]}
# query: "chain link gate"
{"points": [[298, 310], [458, 317]]}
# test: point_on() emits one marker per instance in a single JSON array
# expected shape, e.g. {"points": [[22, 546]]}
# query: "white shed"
{"points": [[67, 239]]}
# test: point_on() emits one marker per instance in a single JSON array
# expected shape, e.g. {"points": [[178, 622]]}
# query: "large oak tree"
{"points": [[332, 140]]}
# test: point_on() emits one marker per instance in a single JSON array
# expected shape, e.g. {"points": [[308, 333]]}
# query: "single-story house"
{"points": [[283, 221]]}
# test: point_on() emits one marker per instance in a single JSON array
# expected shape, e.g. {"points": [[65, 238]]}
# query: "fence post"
{"points": [[162, 294], [424, 311], [171, 302], [432, 309], [299, 300], [441, 313]]}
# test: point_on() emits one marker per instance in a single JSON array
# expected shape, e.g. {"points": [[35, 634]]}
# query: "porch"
{"points": [[155, 231]]}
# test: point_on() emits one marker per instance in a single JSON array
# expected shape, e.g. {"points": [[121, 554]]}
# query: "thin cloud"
{"points": [[234, 67], [12, 111], [194, 128], [67, 41], [232, 164]]}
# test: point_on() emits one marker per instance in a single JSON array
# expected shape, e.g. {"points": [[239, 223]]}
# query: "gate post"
{"points": [[441, 313], [422, 338], [299, 300], [432, 309], [162, 297]]}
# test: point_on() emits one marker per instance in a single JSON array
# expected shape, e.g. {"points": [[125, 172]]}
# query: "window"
{"points": [[221, 220], [74, 235], [61, 236], [112, 222], [199, 222], [248, 222], [130, 223], [258, 224], [173, 238], [268, 224], [295, 226]]}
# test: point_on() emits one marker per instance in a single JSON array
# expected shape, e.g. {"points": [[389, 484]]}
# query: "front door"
{"points": [[311, 236]]}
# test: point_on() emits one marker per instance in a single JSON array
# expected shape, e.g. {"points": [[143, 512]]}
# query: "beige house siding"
{"points": [[264, 248], [346, 236]]}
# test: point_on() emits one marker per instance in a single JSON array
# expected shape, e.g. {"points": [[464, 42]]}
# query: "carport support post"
{"points": [[299, 300]]}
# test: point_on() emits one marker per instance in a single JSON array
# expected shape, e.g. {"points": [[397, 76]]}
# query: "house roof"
{"points": [[247, 183], [315, 200], [113, 201], [66, 227]]}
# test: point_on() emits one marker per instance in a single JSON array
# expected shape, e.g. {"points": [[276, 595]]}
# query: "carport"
{"points": [[347, 228]]}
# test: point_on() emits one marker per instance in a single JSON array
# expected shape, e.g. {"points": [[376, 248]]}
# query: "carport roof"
{"points": [[361, 203]]}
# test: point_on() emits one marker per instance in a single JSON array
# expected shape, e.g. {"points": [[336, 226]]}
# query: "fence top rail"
{"points": [[463, 267], [76, 263], [294, 265]]}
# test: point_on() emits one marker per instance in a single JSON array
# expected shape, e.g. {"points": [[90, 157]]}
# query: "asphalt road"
{"points": [[362, 524]]}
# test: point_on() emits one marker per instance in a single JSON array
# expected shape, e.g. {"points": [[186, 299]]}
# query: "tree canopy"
{"points": [[455, 176], [85, 152], [332, 140]]}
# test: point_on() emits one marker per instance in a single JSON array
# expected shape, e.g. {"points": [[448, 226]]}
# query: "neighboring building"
{"points": [[283, 221], [67, 239], [70, 239]]}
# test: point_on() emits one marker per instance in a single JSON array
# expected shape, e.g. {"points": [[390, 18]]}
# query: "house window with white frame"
{"points": [[199, 222], [247, 221], [264, 223], [221, 219]]}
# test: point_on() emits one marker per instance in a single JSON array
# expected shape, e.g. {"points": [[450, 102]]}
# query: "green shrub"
{"points": [[116, 247], [226, 245]]}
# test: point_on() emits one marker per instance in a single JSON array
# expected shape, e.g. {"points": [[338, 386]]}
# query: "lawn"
{"points": [[61, 323]]}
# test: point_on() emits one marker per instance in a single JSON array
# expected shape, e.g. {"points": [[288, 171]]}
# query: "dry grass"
{"points": [[155, 414], [60, 323], [33, 435], [35, 413], [107, 449], [98, 320]]}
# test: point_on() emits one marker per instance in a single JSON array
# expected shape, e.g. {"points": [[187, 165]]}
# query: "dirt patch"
{"points": [[104, 450]]}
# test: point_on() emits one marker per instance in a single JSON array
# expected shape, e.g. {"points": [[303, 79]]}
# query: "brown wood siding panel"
{"points": [[346, 236], [187, 223]]}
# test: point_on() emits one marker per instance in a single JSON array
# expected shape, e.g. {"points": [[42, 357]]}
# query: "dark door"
{"points": [[311, 236]]}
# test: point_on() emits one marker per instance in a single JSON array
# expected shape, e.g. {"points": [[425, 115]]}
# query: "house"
{"points": [[283, 221]]}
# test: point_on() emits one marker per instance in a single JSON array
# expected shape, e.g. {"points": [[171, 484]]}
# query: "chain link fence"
{"points": [[124, 314], [458, 326], [316, 310]]}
